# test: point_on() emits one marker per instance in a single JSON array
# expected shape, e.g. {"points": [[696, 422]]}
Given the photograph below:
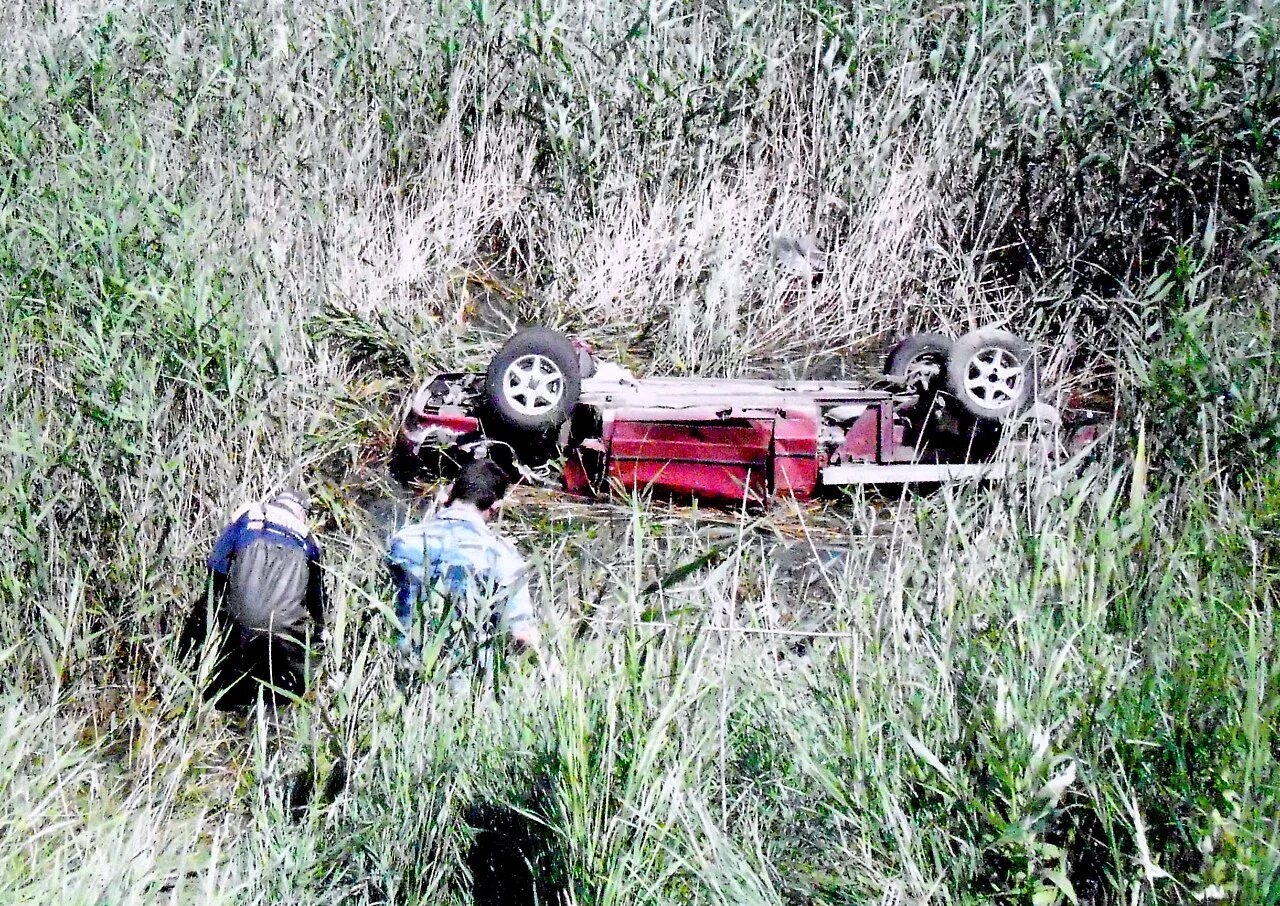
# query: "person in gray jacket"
{"points": [[264, 603]]}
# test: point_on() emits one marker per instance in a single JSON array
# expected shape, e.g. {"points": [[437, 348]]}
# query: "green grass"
{"points": [[232, 235]]}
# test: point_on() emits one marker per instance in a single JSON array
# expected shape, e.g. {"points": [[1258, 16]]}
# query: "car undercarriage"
{"points": [[941, 411]]}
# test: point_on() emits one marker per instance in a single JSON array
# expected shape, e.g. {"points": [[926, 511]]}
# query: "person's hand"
{"points": [[525, 638]]}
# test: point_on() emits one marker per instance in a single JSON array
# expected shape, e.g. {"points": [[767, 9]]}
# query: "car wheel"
{"points": [[919, 360], [991, 374], [532, 383]]}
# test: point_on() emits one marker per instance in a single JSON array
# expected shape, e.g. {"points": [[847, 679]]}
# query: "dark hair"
{"points": [[481, 482]]}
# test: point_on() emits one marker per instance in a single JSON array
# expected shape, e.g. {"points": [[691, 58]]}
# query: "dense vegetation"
{"points": [[232, 233]]}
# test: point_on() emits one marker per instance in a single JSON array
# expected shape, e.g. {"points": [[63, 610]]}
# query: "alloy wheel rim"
{"points": [[994, 378], [533, 384]]}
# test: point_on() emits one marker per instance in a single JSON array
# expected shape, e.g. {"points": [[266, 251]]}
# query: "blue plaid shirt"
{"points": [[455, 576]]}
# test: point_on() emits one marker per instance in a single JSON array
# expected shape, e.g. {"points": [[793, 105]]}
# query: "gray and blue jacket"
{"points": [[269, 564]]}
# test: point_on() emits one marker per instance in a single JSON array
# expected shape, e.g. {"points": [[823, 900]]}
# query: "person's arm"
{"points": [[225, 547], [316, 602], [522, 624], [403, 562], [519, 620], [524, 629], [196, 627]]}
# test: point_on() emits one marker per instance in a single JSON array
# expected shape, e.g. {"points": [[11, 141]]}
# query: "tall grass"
{"points": [[232, 234]]}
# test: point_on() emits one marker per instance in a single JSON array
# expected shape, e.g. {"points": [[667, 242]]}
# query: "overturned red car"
{"points": [[938, 412]]}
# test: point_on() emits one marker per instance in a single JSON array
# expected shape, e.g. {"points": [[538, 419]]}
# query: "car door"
{"points": [[700, 452]]}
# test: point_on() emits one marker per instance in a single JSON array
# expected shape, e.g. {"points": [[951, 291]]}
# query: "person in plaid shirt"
{"points": [[460, 587]]}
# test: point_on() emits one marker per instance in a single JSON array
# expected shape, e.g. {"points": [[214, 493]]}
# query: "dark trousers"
{"points": [[254, 659], [247, 659]]}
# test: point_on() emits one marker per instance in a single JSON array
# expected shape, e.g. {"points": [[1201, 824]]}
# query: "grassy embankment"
{"points": [[232, 233]]}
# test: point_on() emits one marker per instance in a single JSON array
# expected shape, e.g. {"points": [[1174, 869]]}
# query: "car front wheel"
{"points": [[533, 382]]}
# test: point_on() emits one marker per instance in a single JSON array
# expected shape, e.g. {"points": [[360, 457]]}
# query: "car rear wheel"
{"points": [[991, 374], [532, 384], [918, 361]]}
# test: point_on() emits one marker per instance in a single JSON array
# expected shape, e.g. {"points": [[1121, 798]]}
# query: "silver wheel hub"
{"points": [[533, 384], [994, 378]]}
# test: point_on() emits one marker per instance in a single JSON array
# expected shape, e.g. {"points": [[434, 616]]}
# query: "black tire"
{"points": [[991, 374], [919, 361], [533, 382]]}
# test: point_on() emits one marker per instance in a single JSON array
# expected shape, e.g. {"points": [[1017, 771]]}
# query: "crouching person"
{"points": [[263, 604], [462, 591]]}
